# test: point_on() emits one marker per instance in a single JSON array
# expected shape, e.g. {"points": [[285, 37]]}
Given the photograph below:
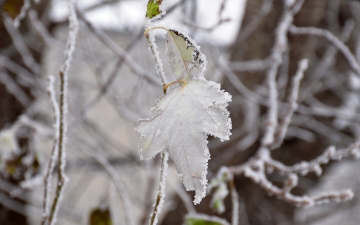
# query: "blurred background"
{"points": [[106, 99]]}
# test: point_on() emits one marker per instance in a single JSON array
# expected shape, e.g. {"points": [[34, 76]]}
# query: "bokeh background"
{"points": [[106, 100]]}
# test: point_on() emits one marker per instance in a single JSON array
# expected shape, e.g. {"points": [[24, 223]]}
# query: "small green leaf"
{"points": [[153, 8], [194, 221], [100, 217], [13, 7], [199, 219]]}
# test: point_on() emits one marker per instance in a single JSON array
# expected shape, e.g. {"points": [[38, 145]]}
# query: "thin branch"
{"points": [[64, 70], [253, 65], [117, 50], [158, 64], [185, 198], [333, 39], [280, 47], [116, 180], [54, 151], [161, 193], [326, 61], [234, 201], [294, 93], [255, 21], [14, 88], [21, 47]]}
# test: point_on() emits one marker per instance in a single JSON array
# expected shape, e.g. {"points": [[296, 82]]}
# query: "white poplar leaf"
{"points": [[182, 120], [184, 54]]}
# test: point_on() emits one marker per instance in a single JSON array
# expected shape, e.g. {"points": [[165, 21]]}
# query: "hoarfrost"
{"points": [[185, 58], [185, 117]]}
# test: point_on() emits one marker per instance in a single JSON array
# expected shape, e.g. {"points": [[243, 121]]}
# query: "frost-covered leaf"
{"points": [[183, 119], [153, 8], [185, 58], [200, 219], [100, 216]]}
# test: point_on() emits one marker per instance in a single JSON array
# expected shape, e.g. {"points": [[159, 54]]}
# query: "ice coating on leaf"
{"points": [[183, 119], [185, 58]]}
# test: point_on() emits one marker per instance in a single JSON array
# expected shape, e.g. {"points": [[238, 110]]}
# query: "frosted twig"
{"points": [[256, 168], [280, 46], [159, 66], [34, 203], [294, 93], [333, 39], [314, 165], [21, 47], [161, 193], [64, 70], [54, 151], [327, 60], [149, 191]]}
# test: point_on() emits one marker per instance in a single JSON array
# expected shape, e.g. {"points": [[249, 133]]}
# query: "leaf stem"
{"points": [[162, 185], [155, 52]]}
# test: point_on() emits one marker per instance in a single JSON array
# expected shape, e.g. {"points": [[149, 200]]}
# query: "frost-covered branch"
{"points": [[161, 193], [326, 61], [54, 151], [63, 109], [158, 63], [333, 39], [257, 167], [280, 46], [294, 93]]}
